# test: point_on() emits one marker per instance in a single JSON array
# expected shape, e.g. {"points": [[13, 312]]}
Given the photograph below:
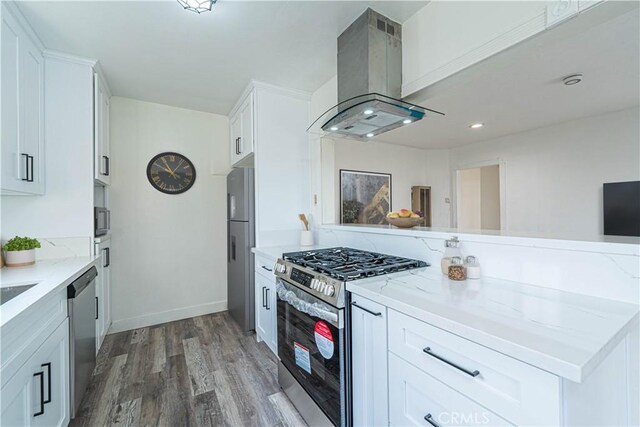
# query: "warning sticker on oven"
{"points": [[302, 357], [324, 339]]}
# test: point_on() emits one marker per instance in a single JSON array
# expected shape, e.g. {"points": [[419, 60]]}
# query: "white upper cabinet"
{"points": [[102, 161], [22, 110], [241, 133]]}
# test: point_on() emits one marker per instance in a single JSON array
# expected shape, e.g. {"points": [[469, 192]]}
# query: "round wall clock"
{"points": [[171, 173]]}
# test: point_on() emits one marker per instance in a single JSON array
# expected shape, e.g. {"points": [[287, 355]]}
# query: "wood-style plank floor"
{"points": [[201, 371]]}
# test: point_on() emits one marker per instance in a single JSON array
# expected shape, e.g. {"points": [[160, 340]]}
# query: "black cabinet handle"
{"points": [[267, 303], [30, 175], [428, 418], [266, 268], [26, 166], [442, 359], [375, 313], [97, 309], [107, 166], [41, 375], [239, 145], [264, 305], [48, 366], [233, 248], [107, 257]]}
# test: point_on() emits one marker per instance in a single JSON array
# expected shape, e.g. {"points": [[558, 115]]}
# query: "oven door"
{"points": [[311, 345]]}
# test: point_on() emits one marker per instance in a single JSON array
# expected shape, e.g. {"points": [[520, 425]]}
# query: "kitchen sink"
{"points": [[10, 292]]}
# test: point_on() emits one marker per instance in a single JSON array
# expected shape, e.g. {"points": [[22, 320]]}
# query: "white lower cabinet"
{"points": [[369, 374], [103, 292], [38, 393], [265, 300], [416, 398]]}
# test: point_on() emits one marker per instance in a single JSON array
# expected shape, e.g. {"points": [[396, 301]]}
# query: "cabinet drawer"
{"points": [[415, 396], [264, 266], [520, 393]]}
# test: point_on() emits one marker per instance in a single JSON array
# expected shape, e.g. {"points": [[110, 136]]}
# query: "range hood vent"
{"points": [[369, 82]]}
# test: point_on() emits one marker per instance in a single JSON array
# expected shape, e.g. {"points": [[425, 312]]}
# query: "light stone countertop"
{"points": [[51, 275], [564, 333]]}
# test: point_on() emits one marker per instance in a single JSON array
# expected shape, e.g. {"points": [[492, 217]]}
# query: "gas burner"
{"points": [[346, 264]]}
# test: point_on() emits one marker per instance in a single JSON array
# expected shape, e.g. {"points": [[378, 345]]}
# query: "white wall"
{"points": [[554, 175], [66, 208], [168, 251]]}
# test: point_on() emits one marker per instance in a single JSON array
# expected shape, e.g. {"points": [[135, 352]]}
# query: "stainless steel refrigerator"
{"points": [[240, 240]]}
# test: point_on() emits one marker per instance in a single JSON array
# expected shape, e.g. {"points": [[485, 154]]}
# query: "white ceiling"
{"points": [[522, 88], [155, 51]]}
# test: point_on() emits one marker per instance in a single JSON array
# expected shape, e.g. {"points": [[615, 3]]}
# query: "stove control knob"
{"points": [[314, 283], [322, 287], [329, 290]]}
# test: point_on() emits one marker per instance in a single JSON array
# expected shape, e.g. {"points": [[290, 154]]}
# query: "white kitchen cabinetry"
{"points": [[22, 109], [102, 161], [241, 133], [369, 349], [38, 393], [103, 292], [266, 300]]}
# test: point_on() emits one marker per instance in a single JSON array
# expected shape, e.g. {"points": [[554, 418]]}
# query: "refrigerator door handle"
{"points": [[233, 248], [232, 207]]}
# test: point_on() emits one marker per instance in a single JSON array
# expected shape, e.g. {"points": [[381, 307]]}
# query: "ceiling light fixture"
{"points": [[406, 121], [369, 135], [573, 79], [476, 125], [367, 112], [197, 6], [334, 128]]}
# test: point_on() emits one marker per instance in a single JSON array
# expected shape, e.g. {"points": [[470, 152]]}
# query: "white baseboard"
{"points": [[151, 319]]}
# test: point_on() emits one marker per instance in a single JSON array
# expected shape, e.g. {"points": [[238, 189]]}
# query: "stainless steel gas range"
{"points": [[313, 326]]}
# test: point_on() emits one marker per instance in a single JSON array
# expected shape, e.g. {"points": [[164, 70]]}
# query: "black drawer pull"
{"points": [[30, 175], [41, 375], [26, 166], [107, 258], [264, 304], [428, 418], [48, 366], [442, 359], [267, 303], [267, 268], [375, 313], [97, 309]]}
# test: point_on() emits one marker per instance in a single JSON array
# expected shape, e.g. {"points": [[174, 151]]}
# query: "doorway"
{"points": [[478, 198]]}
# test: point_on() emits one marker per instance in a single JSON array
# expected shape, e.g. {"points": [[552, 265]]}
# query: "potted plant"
{"points": [[20, 251]]}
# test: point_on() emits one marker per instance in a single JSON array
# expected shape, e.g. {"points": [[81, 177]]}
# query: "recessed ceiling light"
{"points": [[369, 135], [476, 125], [197, 6], [406, 121], [367, 112], [334, 128], [573, 79]]}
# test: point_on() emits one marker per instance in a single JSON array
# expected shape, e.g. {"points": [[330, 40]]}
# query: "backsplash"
{"points": [[607, 270]]}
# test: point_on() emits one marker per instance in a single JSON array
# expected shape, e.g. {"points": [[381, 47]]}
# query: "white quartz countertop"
{"points": [[50, 275], [563, 333], [275, 252]]}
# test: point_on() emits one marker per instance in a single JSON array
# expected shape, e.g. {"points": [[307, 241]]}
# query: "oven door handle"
{"points": [[314, 309]]}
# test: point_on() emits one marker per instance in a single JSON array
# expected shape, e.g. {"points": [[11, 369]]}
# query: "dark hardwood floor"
{"points": [[194, 372]]}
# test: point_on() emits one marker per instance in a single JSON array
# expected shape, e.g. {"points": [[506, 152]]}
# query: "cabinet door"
{"points": [[31, 90], [38, 394], [369, 349], [102, 162], [13, 169], [22, 93], [263, 320], [235, 135], [246, 136], [103, 293]]}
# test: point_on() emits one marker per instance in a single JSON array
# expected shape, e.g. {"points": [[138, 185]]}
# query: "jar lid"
{"points": [[471, 259], [456, 260], [452, 242]]}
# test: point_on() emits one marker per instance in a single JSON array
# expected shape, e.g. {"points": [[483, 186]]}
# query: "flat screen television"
{"points": [[621, 208]]}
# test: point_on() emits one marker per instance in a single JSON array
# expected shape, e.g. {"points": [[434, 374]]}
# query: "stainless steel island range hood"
{"points": [[369, 82]]}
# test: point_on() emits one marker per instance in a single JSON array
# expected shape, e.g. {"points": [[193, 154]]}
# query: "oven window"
{"points": [[311, 349]]}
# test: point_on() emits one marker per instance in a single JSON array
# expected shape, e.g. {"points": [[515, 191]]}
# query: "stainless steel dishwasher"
{"points": [[83, 312]]}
